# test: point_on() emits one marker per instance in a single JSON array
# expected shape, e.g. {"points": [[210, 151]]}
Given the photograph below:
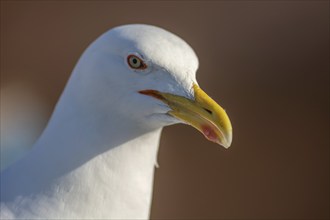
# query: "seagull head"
{"points": [[148, 75]]}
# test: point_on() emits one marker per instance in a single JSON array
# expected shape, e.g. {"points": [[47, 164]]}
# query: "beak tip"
{"points": [[226, 143]]}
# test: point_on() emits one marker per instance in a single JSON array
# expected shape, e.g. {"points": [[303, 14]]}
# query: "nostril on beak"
{"points": [[208, 110]]}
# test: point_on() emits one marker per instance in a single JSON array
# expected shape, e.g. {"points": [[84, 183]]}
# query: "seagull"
{"points": [[97, 155]]}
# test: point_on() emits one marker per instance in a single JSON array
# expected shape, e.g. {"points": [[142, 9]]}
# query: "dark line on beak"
{"points": [[209, 111]]}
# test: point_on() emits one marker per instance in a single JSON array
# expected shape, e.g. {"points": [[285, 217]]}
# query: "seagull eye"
{"points": [[135, 62]]}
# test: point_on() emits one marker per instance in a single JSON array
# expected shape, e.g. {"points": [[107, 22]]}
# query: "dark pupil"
{"points": [[135, 61]]}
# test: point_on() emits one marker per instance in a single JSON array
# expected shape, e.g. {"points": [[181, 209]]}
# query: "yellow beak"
{"points": [[203, 113]]}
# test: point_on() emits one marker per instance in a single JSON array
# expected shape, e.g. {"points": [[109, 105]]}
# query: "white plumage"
{"points": [[96, 157]]}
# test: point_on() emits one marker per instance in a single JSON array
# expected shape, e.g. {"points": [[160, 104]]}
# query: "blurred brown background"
{"points": [[266, 62]]}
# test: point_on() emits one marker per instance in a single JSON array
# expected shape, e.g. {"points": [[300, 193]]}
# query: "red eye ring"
{"points": [[136, 62]]}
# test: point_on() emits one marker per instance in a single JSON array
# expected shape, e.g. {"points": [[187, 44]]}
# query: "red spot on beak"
{"points": [[209, 133]]}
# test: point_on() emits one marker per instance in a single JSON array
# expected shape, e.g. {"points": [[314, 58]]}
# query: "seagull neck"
{"points": [[80, 156]]}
